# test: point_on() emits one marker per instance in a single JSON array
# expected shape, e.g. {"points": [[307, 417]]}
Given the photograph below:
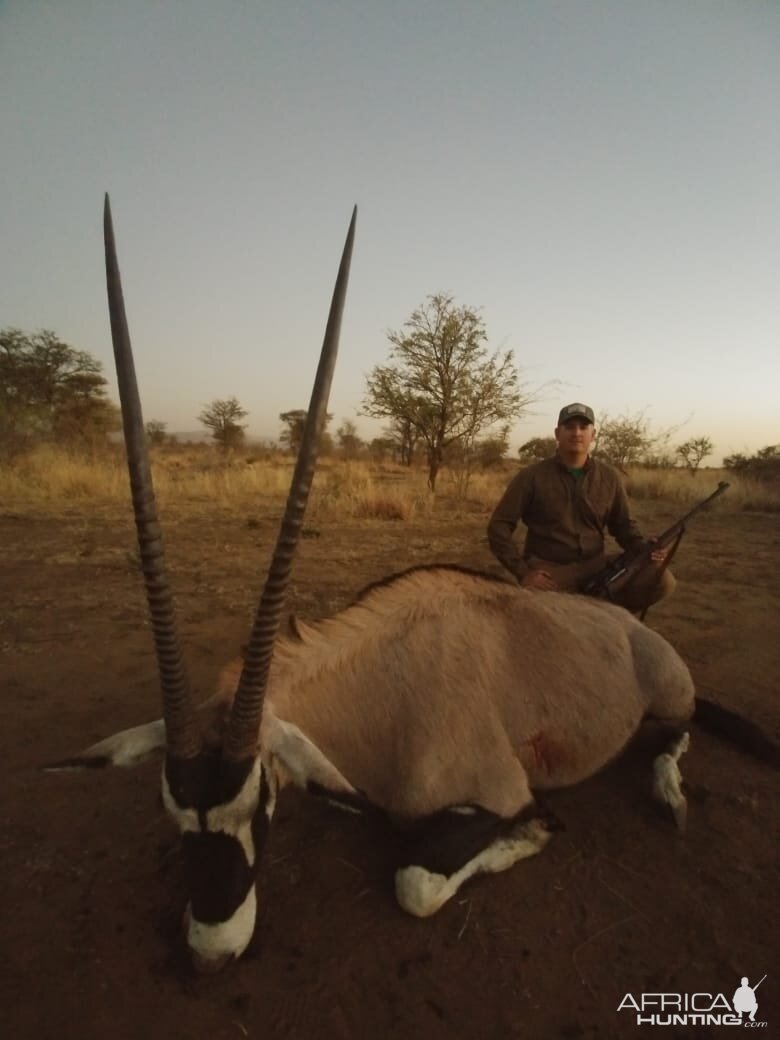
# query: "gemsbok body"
{"points": [[442, 698]]}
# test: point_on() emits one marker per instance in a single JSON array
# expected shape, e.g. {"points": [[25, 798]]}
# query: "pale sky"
{"points": [[602, 179]]}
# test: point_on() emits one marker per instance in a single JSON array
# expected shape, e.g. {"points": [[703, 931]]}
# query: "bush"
{"points": [[764, 466]]}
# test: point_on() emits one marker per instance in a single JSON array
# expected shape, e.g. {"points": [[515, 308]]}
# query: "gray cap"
{"points": [[576, 411]]}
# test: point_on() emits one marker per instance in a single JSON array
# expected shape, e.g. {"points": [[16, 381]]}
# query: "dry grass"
{"points": [[53, 479], [689, 488], [484, 488], [367, 492], [50, 478]]}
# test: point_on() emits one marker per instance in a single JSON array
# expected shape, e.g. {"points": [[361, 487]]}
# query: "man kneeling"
{"points": [[567, 502]]}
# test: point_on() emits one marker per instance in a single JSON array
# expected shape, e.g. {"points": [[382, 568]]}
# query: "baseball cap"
{"points": [[576, 411]]}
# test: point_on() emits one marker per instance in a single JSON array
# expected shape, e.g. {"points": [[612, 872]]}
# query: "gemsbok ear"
{"points": [[129, 747]]}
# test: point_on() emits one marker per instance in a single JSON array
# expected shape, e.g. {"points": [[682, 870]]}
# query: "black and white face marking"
{"points": [[222, 811]]}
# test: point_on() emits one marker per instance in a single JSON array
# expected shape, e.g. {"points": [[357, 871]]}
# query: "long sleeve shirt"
{"points": [[565, 517]]}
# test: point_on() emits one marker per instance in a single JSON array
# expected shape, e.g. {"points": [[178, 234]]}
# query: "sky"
{"points": [[598, 177]]}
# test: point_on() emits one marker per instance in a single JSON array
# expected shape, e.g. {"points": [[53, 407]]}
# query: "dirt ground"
{"points": [[617, 904]]}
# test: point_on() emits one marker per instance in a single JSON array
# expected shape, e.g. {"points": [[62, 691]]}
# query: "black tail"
{"points": [[739, 731]]}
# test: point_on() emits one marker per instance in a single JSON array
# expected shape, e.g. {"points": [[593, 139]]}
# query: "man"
{"points": [[566, 503]]}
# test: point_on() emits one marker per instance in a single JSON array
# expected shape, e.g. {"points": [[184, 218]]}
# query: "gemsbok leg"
{"points": [[455, 844], [667, 778]]}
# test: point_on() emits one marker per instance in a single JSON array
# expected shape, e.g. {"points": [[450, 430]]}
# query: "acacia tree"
{"points": [[404, 436], [628, 440], [350, 444], [694, 451], [223, 418], [623, 440], [463, 457], [155, 431], [442, 382], [491, 451], [380, 447], [294, 424], [536, 449], [51, 391]]}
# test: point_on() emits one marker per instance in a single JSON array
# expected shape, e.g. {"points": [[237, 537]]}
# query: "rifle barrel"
{"points": [[722, 486]]}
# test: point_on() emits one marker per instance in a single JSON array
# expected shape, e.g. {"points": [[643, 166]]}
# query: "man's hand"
{"points": [[659, 555], [538, 580]]}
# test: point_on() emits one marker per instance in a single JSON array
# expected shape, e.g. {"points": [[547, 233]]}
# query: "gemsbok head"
{"points": [[220, 797]]}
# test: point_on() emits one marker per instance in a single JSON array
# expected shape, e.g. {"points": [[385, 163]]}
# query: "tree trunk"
{"points": [[434, 462]]}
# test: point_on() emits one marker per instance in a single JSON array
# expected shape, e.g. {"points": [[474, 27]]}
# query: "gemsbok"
{"points": [[442, 698]]}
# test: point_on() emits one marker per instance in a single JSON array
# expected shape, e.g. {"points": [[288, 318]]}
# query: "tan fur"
{"points": [[444, 688]]}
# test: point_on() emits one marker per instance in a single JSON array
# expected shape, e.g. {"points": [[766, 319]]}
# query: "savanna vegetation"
{"points": [[53, 478], [50, 393], [449, 406]]}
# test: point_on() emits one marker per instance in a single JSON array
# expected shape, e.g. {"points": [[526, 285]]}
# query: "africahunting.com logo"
{"points": [[696, 1009]]}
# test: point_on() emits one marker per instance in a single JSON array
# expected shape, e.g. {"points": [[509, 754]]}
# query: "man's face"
{"points": [[575, 435]]}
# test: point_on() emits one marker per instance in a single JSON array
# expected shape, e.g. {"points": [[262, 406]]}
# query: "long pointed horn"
{"points": [[182, 732], [241, 740]]}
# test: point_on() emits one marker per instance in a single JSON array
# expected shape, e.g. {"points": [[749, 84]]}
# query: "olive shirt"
{"points": [[565, 517]]}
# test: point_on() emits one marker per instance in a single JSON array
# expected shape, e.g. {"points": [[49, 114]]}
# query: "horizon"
{"points": [[183, 437]]}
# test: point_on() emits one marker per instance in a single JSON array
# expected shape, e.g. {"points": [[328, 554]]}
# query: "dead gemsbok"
{"points": [[441, 698]]}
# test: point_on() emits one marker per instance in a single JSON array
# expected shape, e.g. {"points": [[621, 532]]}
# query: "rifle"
{"points": [[625, 567]]}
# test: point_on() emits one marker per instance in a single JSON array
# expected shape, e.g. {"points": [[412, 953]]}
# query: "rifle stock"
{"points": [[617, 574]]}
